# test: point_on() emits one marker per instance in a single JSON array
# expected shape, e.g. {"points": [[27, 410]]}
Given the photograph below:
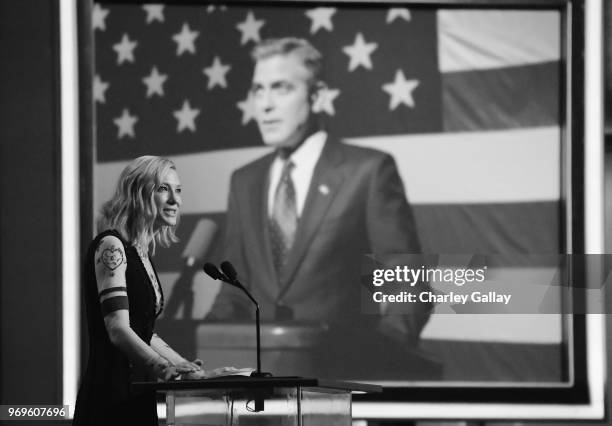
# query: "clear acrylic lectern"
{"points": [[247, 401]]}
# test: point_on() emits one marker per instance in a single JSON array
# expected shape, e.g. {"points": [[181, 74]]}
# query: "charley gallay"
{"points": [[450, 298]]}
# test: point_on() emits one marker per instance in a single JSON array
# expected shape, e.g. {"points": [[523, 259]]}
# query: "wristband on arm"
{"points": [[113, 299]]}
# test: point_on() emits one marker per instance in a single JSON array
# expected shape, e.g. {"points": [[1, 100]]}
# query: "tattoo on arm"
{"points": [[112, 258]]}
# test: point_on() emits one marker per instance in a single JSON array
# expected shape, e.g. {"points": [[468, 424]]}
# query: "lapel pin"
{"points": [[324, 189]]}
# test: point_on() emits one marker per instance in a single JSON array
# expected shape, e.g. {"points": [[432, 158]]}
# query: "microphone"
{"points": [[212, 271], [230, 276], [229, 270]]}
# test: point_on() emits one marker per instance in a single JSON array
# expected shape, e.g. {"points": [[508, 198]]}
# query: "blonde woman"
{"points": [[123, 297]]}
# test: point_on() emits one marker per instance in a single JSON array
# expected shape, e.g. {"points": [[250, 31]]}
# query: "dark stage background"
{"points": [[30, 220]]}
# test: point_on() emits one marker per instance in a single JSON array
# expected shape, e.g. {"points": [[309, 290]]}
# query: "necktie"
{"points": [[283, 221]]}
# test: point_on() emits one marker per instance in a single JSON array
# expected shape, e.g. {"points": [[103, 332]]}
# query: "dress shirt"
{"points": [[304, 159]]}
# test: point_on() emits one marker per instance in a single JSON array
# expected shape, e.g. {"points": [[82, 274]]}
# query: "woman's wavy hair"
{"points": [[132, 211]]}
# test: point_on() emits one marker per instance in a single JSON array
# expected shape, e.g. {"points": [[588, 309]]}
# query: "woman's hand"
{"points": [[168, 373], [217, 372], [195, 375], [163, 370], [187, 367]]}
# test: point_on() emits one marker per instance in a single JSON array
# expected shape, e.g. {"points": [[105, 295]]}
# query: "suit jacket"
{"points": [[355, 205]]}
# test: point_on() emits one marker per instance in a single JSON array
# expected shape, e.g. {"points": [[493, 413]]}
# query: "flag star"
{"points": [[216, 73], [325, 102], [99, 89], [321, 18], [125, 49], [360, 53], [398, 12], [154, 83], [250, 28], [186, 117], [185, 40], [98, 17], [400, 90], [246, 106], [155, 12], [125, 124]]}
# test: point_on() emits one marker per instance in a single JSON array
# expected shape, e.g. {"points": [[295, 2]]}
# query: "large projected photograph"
{"points": [[310, 138]]}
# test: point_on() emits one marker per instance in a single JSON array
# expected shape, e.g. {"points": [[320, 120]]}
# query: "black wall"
{"points": [[30, 214]]}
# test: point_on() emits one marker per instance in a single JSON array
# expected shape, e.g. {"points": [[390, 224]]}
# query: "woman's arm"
{"points": [[110, 267], [121, 335], [164, 350]]}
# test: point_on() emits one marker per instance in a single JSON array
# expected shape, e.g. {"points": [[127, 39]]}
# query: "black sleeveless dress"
{"points": [[105, 397]]}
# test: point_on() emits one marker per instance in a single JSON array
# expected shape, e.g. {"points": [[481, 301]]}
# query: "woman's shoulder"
{"points": [[108, 239], [110, 248]]}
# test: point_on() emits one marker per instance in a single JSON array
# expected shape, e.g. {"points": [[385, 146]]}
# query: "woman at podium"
{"points": [[123, 297]]}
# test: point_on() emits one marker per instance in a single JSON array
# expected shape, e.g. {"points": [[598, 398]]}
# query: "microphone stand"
{"points": [[259, 396], [258, 372], [230, 277]]}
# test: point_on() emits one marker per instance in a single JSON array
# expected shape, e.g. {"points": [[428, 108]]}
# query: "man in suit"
{"points": [[301, 219]]}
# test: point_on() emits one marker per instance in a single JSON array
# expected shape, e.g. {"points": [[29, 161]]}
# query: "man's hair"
{"points": [[308, 54], [132, 210]]}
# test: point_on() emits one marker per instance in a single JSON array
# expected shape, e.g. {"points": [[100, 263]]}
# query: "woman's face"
{"points": [[168, 199]]}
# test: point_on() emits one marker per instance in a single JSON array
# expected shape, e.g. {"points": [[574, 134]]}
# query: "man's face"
{"points": [[281, 99]]}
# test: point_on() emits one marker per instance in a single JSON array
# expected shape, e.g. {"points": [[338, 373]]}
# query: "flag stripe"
{"points": [[482, 39], [480, 167], [478, 100], [483, 167], [508, 328], [489, 228], [499, 362]]}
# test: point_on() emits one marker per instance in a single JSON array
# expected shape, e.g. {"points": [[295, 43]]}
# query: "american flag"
{"points": [[467, 101]]}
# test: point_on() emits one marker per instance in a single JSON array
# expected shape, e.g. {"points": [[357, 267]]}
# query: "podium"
{"points": [[250, 401]]}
